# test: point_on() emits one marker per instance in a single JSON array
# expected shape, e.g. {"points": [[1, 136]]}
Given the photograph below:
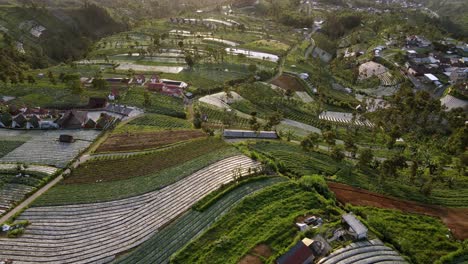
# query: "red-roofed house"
{"points": [[168, 87]]}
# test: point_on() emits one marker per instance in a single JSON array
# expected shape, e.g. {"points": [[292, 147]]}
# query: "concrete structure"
{"points": [[250, 134]]}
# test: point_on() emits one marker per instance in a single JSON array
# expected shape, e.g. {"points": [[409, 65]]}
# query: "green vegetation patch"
{"points": [[150, 122], [120, 189], [170, 239], [106, 170], [265, 218], [157, 103], [423, 239], [7, 146], [297, 160]]}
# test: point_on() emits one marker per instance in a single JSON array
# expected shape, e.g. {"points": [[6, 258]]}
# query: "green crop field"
{"points": [[216, 117], [169, 240], [160, 104], [265, 218], [7, 146], [295, 159], [107, 170], [153, 122], [423, 239], [134, 175]]}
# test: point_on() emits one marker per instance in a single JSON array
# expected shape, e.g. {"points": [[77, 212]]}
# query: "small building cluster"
{"points": [[98, 115], [448, 64], [308, 251]]}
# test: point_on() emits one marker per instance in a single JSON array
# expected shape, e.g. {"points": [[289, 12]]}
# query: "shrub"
{"points": [[317, 183], [15, 232]]}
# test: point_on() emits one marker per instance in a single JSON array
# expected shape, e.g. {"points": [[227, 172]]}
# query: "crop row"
{"points": [[166, 242], [119, 189]]}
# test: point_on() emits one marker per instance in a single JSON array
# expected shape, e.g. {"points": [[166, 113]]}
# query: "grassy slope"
{"points": [[423, 239], [166, 242], [266, 217]]}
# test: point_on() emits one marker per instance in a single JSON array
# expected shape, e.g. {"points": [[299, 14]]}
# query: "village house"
{"points": [[73, 119], [459, 75], [306, 251], [168, 87]]}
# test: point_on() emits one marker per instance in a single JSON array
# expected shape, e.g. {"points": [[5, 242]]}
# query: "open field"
{"points": [[142, 180], [147, 140], [455, 219], [44, 148], [160, 247], [266, 218], [97, 232]]}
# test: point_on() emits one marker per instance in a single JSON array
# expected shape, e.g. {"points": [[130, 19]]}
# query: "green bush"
{"points": [[317, 183]]}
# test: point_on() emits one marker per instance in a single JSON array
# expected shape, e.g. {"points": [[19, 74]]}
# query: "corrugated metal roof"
{"points": [[354, 223]]}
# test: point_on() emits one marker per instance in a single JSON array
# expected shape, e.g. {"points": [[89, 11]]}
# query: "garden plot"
{"points": [[344, 118], [254, 54], [44, 148], [147, 140], [146, 68], [96, 233], [221, 100], [373, 251]]}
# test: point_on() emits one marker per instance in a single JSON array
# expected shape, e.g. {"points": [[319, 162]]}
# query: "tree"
{"points": [[365, 157], [197, 120], [189, 60], [311, 142], [99, 84], [254, 124], [273, 120], [252, 68], [337, 153], [31, 79], [350, 145], [181, 45], [76, 87], [329, 137], [147, 99]]}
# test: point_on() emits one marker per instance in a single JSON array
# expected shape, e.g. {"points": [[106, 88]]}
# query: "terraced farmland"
{"points": [[96, 233], [160, 104], [147, 140], [151, 122], [14, 187], [43, 147], [373, 251], [297, 160], [266, 218], [163, 244], [123, 178]]}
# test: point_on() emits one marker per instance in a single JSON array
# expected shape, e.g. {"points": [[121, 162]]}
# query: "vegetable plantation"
{"points": [[170, 239], [151, 122], [158, 104], [143, 180]]}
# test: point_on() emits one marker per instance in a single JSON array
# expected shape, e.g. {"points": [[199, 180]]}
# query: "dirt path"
{"points": [[455, 218], [31, 198]]}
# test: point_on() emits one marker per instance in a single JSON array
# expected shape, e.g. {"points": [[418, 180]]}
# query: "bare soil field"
{"points": [[144, 141], [288, 82], [455, 218]]}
